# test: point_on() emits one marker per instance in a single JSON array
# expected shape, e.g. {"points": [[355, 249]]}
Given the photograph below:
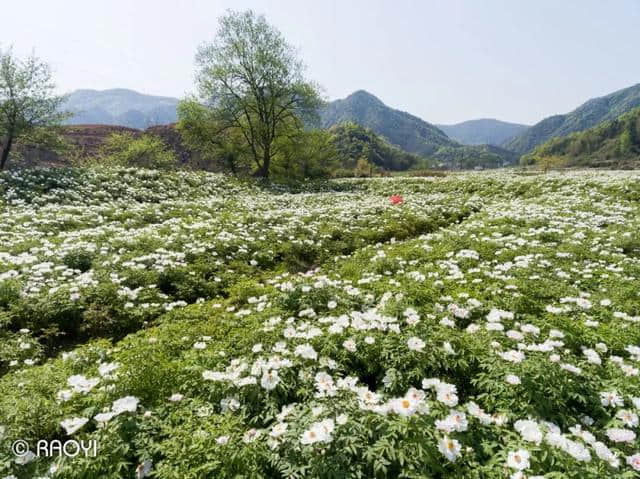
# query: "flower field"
{"points": [[481, 325]]}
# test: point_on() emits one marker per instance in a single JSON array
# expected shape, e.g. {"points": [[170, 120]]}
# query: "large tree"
{"points": [[253, 82], [29, 106]]}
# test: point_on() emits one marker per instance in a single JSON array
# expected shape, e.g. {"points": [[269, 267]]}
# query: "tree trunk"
{"points": [[5, 152], [266, 161]]}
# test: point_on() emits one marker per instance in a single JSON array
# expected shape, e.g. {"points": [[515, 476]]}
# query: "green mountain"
{"points": [[401, 129], [120, 106], [355, 143], [485, 131], [612, 144], [591, 113], [411, 133]]}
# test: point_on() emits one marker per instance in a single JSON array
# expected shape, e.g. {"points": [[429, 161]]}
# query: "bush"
{"points": [[145, 151]]}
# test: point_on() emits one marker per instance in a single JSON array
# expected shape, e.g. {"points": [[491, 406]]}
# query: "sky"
{"points": [[445, 61]]}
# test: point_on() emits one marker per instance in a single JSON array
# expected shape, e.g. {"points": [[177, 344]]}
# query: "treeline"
{"points": [[613, 144]]}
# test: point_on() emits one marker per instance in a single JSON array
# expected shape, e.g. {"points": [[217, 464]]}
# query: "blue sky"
{"points": [[445, 61]]}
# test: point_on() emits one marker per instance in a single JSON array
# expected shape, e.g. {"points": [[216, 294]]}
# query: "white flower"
{"points": [[229, 404], [176, 397], [222, 440], [270, 380], [448, 348], [349, 345], [318, 432], [105, 369], [628, 418], [415, 344], [611, 398], [455, 421], [332, 305], [403, 406], [518, 459], [200, 345], [447, 394], [213, 375], [306, 351], [81, 384], [251, 435], [513, 379], [341, 419], [512, 356], [143, 469], [529, 430], [125, 404], [450, 448], [620, 435], [104, 417], [73, 424], [278, 429], [634, 461]]}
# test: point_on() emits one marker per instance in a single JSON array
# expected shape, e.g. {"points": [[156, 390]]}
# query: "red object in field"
{"points": [[396, 200]]}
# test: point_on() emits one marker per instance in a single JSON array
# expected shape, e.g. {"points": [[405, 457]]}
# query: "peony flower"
{"points": [[73, 424], [415, 344], [125, 404], [270, 380], [518, 459], [450, 448], [620, 435]]}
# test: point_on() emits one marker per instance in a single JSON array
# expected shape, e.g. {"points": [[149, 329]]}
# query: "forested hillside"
{"points": [[613, 144]]}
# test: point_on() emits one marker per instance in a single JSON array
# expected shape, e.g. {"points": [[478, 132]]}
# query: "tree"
{"points": [[216, 148], [28, 106], [145, 151], [308, 154], [252, 81]]}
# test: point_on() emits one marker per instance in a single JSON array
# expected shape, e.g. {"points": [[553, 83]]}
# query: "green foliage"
{"points": [[253, 83], [415, 143], [614, 143], [359, 148], [402, 129], [213, 147], [144, 151], [322, 332], [29, 108], [588, 115], [469, 157]]}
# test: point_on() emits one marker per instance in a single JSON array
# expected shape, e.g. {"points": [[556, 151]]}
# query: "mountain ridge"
{"points": [[482, 131], [120, 106], [591, 113]]}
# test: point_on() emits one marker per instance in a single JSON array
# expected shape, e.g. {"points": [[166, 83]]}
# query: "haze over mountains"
{"points": [[484, 131], [120, 106]]}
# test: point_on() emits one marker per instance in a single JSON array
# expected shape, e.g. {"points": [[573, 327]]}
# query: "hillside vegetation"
{"points": [[591, 113], [612, 144], [410, 133], [359, 148]]}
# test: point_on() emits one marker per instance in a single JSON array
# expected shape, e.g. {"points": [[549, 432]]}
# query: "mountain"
{"points": [[612, 144], [401, 129], [411, 133], [120, 106], [485, 131], [589, 114]]}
